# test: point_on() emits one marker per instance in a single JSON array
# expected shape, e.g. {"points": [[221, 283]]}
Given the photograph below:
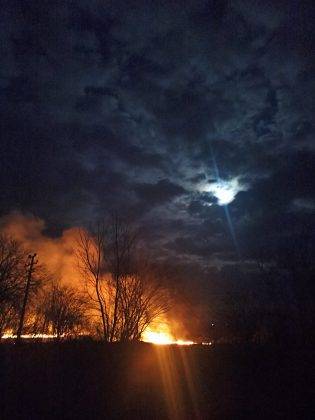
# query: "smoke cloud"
{"points": [[57, 254]]}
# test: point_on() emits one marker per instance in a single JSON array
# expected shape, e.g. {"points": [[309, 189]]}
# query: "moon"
{"points": [[225, 194], [224, 191]]}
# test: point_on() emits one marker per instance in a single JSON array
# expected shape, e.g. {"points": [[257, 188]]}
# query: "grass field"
{"points": [[87, 380]]}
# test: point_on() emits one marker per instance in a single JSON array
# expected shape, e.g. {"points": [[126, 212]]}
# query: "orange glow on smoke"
{"points": [[57, 254], [160, 333]]}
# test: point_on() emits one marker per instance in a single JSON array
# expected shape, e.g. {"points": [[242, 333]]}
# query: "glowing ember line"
{"points": [[29, 336]]}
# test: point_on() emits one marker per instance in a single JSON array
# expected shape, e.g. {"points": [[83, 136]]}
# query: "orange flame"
{"points": [[160, 333]]}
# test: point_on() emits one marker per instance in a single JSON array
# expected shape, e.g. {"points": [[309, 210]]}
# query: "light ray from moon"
{"points": [[225, 192]]}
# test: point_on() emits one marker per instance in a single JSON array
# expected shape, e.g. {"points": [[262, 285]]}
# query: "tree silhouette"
{"points": [[61, 311], [12, 278], [124, 292]]}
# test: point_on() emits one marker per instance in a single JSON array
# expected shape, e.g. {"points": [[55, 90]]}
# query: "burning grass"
{"points": [[160, 333]]}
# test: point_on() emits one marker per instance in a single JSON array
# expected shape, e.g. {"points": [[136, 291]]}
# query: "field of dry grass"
{"points": [[87, 380]]}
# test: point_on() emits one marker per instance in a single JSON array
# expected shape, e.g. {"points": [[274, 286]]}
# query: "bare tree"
{"points": [[125, 297], [12, 277], [91, 264], [143, 299], [60, 312], [119, 247]]}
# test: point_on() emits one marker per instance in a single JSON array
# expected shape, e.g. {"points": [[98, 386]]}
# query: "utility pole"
{"points": [[30, 266]]}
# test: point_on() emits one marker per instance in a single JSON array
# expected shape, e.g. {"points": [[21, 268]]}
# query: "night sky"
{"points": [[149, 108]]}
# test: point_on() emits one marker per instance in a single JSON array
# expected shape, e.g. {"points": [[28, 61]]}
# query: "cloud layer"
{"points": [[127, 105]]}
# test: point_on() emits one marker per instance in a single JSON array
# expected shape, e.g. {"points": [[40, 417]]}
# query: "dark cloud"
{"points": [[161, 192]]}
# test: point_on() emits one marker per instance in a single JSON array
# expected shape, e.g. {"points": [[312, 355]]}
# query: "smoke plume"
{"points": [[56, 254]]}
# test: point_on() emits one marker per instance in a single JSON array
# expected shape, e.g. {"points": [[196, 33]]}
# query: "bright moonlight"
{"points": [[224, 191]]}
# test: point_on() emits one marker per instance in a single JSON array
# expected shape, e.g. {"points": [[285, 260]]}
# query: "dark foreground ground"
{"points": [[78, 380]]}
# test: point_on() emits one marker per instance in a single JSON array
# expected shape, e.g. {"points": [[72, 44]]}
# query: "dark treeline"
{"points": [[269, 297], [119, 293]]}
